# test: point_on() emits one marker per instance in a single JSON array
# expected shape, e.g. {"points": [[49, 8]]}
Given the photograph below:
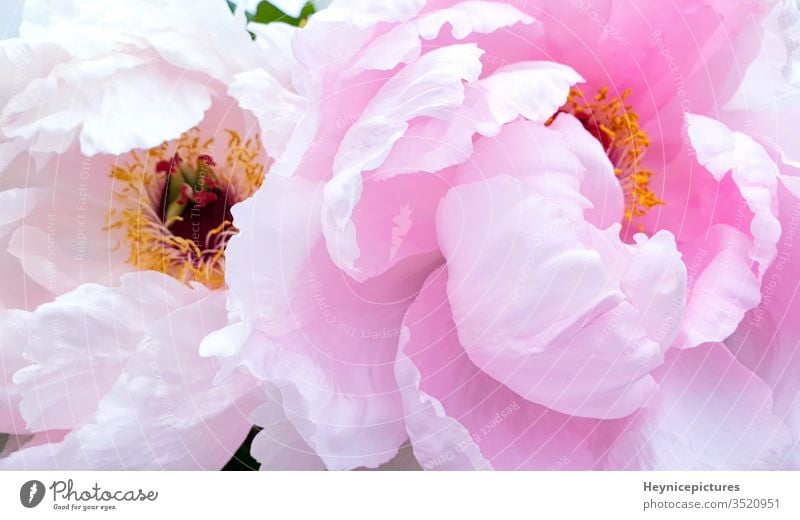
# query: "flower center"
{"points": [[175, 203], [616, 126]]}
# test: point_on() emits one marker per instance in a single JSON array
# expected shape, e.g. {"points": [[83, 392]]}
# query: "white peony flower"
{"points": [[121, 154]]}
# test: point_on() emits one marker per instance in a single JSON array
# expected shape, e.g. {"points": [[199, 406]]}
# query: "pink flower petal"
{"points": [[327, 341], [458, 417], [727, 285], [561, 323], [710, 413]]}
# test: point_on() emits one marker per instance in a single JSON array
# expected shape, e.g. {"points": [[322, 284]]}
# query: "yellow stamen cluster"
{"points": [[616, 126], [139, 189]]}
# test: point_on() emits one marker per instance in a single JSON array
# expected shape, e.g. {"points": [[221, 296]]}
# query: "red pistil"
{"points": [[207, 159], [210, 184], [170, 166], [186, 194], [204, 197]]}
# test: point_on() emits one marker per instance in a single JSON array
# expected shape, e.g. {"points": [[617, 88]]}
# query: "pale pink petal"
{"points": [[275, 40], [599, 183], [662, 51], [17, 291], [276, 118], [365, 13], [13, 338], [401, 44], [537, 155], [721, 151], [136, 102], [533, 90], [458, 417], [356, 24], [728, 278], [429, 87], [407, 217], [766, 340], [279, 447], [285, 211], [325, 340], [395, 219], [15, 205], [710, 413], [469, 17], [723, 286], [62, 240], [767, 99], [363, 240], [128, 87], [562, 324]]}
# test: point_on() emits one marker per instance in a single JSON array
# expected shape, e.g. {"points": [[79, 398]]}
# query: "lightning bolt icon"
{"points": [[32, 492]]}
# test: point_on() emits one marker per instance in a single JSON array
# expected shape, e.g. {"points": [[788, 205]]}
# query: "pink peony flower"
{"points": [[491, 234]]}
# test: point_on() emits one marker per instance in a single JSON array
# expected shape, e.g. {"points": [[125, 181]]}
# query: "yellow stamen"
{"points": [[139, 190], [616, 126]]}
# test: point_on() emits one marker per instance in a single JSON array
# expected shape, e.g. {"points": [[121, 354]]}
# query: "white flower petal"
{"points": [[145, 399], [469, 17]]}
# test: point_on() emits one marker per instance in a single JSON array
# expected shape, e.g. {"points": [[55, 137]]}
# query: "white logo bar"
{"points": [[400, 495]]}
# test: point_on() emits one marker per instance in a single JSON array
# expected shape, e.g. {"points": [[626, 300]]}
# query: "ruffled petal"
{"points": [[474, 16], [728, 279], [710, 413], [83, 66], [394, 219], [458, 417], [326, 341], [538, 156], [276, 118], [429, 87], [767, 101], [279, 446], [403, 43], [162, 411], [365, 13], [13, 338], [723, 286], [361, 245], [756, 176], [571, 318], [78, 346], [599, 182], [766, 340], [533, 90]]}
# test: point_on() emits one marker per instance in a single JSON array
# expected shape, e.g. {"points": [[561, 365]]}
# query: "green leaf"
{"points": [[268, 13]]}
